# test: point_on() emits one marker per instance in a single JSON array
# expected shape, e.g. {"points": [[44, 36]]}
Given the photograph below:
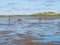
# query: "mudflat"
{"points": [[30, 31]]}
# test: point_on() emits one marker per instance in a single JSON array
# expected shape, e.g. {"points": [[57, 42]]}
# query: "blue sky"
{"points": [[28, 6]]}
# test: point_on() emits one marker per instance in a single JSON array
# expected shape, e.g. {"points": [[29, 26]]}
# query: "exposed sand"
{"points": [[7, 38]]}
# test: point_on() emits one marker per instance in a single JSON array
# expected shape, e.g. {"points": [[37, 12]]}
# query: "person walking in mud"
{"points": [[20, 22], [40, 20]]}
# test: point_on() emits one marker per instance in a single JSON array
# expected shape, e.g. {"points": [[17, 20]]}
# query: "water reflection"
{"points": [[29, 31]]}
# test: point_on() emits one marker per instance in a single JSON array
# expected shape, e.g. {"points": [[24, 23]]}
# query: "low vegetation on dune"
{"points": [[36, 14], [46, 14]]}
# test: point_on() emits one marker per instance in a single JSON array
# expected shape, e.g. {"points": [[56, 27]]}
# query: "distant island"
{"points": [[34, 15]]}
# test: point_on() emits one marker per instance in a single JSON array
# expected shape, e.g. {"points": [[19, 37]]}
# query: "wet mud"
{"points": [[30, 32]]}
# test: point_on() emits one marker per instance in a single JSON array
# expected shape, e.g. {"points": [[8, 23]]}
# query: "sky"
{"points": [[29, 6]]}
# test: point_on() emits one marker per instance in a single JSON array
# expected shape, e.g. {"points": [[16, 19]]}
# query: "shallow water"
{"points": [[29, 31]]}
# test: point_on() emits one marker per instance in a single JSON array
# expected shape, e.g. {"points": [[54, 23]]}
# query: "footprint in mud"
{"points": [[56, 33], [6, 37], [25, 39], [6, 32]]}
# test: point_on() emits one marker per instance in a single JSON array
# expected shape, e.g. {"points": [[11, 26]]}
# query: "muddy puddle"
{"points": [[29, 31]]}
